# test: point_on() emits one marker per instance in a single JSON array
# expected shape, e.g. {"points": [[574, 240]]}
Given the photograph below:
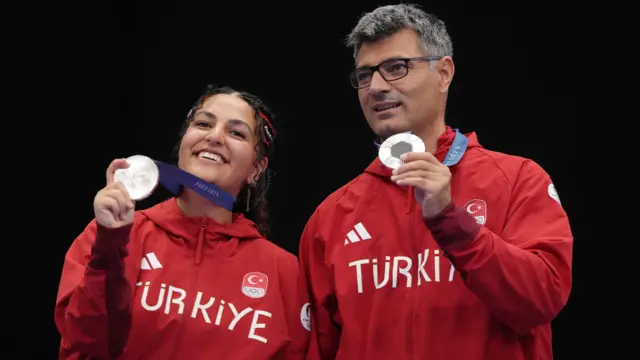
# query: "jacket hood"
{"points": [[168, 216], [444, 143]]}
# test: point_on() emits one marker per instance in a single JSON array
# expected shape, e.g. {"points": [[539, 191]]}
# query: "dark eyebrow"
{"points": [[366, 66], [236, 122], [241, 123]]}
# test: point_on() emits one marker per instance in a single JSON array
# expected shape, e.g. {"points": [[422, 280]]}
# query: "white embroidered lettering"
{"points": [[169, 296], [427, 270], [255, 325]]}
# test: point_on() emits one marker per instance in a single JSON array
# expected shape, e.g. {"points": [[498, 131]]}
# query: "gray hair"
{"points": [[390, 19]]}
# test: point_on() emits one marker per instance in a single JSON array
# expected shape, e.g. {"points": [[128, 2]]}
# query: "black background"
{"points": [[109, 80]]}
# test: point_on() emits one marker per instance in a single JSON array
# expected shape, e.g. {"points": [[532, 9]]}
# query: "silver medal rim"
{"points": [[140, 162], [384, 153]]}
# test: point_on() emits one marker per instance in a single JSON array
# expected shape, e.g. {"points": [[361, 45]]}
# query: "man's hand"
{"points": [[430, 178]]}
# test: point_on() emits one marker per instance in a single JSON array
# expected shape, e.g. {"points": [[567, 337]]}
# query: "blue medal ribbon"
{"points": [[456, 151], [173, 179]]}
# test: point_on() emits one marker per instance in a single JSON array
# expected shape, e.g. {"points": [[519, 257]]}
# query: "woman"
{"points": [[186, 279]]}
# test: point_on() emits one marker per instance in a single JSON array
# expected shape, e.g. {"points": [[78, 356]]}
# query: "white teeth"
{"points": [[210, 156]]}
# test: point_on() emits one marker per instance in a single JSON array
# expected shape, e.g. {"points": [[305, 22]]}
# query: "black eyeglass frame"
{"points": [[353, 77]]}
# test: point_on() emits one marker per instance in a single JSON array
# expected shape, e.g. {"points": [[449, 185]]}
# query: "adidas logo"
{"points": [[150, 261], [352, 237]]}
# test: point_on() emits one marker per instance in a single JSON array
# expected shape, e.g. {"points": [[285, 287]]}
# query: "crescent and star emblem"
{"points": [[469, 208]]}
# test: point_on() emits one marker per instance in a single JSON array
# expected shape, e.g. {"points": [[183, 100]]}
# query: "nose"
{"points": [[378, 84], [215, 135]]}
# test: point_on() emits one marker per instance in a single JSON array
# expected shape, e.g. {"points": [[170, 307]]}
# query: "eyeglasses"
{"points": [[390, 70]]}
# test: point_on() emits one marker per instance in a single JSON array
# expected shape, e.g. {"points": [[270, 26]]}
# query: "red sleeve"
{"points": [[296, 306], [523, 276], [92, 308], [325, 334]]}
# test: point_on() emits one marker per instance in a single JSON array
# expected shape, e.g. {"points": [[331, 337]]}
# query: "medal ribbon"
{"points": [[456, 151], [173, 179]]}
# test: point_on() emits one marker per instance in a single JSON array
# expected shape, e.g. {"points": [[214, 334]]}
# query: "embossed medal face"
{"points": [[398, 144], [140, 178]]}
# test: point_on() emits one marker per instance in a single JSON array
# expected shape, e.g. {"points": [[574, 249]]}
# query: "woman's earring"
{"points": [[251, 185], [248, 198]]}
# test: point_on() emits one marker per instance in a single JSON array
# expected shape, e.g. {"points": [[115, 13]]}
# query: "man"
{"points": [[462, 253]]}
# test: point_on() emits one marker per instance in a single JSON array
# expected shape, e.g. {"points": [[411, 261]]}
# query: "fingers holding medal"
{"points": [[112, 205], [412, 166], [128, 180]]}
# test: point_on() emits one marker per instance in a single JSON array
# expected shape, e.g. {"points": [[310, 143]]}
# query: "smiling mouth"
{"points": [[385, 107], [211, 157]]}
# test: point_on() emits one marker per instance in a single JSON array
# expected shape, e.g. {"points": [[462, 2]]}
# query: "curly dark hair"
{"points": [[255, 205]]}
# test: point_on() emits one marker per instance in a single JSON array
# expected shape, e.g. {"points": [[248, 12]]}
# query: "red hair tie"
{"points": [[266, 119], [267, 129]]}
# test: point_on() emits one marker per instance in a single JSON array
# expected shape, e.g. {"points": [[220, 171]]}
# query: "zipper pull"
{"points": [[202, 232]]}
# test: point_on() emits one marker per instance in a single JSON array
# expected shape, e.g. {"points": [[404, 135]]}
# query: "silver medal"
{"points": [[398, 144], [140, 178]]}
